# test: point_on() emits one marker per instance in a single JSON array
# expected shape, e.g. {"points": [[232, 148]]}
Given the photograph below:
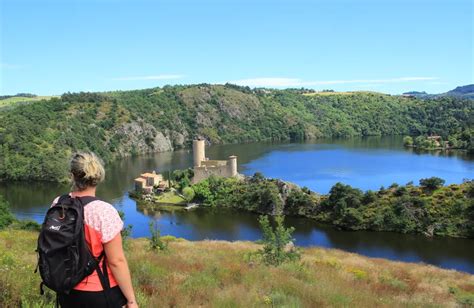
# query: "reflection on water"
{"points": [[366, 163]]}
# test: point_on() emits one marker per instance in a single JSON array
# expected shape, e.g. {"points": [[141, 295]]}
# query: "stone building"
{"points": [[204, 167], [147, 181]]}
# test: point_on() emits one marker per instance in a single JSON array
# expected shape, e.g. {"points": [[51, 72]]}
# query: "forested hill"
{"points": [[37, 139], [463, 91]]}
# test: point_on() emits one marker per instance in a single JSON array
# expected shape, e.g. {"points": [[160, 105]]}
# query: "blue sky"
{"points": [[50, 47]]}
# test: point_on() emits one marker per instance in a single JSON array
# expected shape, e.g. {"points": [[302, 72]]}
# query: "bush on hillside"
{"points": [[408, 141], [27, 224], [126, 231], [155, 240], [188, 193], [277, 242], [6, 217], [432, 183]]}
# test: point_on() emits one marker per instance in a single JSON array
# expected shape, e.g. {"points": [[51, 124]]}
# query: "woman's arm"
{"points": [[119, 267]]}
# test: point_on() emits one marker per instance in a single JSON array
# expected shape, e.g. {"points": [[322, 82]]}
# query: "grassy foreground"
{"points": [[220, 274]]}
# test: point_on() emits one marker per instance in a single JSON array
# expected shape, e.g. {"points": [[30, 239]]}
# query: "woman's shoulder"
{"points": [[104, 218], [99, 207], [95, 210]]}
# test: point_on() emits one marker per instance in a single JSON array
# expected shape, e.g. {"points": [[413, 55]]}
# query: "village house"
{"points": [[147, 182]]}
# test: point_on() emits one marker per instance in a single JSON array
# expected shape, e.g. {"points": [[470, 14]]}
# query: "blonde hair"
{"points": [[87, 170]]}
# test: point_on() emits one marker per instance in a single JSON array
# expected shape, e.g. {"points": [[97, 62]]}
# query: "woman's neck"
{"points": [[89, 191]]}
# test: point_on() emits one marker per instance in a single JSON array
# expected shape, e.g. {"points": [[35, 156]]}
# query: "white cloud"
{"points": [[153, 77], [296, 82]]}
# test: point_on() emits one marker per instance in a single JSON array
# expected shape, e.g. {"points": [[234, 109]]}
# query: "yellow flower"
{"points": [[267, 300]]}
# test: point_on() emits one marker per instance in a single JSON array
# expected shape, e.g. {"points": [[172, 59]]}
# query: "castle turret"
{"points": [[199, 153], [232, 165]]}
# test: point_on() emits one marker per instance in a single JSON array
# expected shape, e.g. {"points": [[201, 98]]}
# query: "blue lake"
{"points": [[365, 163]]}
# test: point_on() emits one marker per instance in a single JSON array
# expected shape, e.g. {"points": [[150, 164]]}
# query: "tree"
{"points": [[408, 141], [188, 193], [275, 241], [342, 197], [204, 194], [432, 183], [258, 176], [298, 202], [182, 177]]}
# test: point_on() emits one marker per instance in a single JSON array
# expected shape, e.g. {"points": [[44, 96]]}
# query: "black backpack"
{"points": [[64, 259]]}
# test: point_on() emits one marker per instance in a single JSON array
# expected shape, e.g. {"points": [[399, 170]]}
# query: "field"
{"points": [[338, 93], [170, 198], [221, 274], [11, 101]]}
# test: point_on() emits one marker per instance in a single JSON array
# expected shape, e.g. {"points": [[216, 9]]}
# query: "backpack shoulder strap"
{"points": [[83, 200], [63, 198], [103, 276], [87, 199]]}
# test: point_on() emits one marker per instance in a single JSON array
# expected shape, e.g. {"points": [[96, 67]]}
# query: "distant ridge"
{"points": [[466, 91]]}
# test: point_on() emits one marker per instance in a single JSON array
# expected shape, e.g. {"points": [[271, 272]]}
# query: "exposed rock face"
{"points": [[204, 119], [237, 105], [139, 137], [179, 139]]}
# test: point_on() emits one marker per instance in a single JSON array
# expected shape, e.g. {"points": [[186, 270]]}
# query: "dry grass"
{"points": [[215, 274], [340, 93], [11, 101], [221, 274]]}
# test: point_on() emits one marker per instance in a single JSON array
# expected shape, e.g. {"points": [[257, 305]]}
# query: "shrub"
{"points": [[155, 241], [358, 273], [127, 230], [432, 183], [408, 141], [188, 193], [400, 191], [28, 225], [277, 242], [369, 197], [182, 178], [470, 189], [6, 217], [204, 193]]}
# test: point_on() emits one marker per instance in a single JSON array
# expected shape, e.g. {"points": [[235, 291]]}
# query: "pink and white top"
{"points": [[102, 224]]}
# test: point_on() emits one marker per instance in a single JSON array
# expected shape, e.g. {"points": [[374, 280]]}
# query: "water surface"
{"points": [[366, 163]]}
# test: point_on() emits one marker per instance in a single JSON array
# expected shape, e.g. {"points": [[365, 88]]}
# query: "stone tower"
{"points": [[232, 165], [199, 153]]}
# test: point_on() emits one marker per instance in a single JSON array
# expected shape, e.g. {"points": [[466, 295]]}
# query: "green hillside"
{"points": [[15, 100], [430, 209], [36, 139]]}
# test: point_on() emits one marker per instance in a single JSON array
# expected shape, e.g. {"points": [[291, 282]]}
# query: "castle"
{"points": [[149, 183], [204, 167]]}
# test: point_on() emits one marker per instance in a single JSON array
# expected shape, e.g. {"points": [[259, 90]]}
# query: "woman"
{"points": [[102, 232]]}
